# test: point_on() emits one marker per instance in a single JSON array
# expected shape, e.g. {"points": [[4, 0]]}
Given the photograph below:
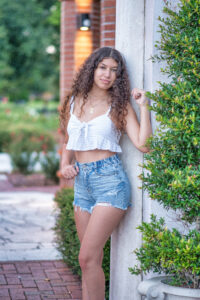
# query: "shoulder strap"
{"points": [[108, 111], [71, 104]]}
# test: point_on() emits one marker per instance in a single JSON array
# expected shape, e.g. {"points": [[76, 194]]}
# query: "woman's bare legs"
{"points": [[81, 220], [100, 225]]}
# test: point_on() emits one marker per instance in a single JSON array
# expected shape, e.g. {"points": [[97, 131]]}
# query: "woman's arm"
{"points": [[139, 133], [67, 168]]}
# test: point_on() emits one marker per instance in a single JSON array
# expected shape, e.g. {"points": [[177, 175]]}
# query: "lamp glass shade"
{"points": [[83, 22]]}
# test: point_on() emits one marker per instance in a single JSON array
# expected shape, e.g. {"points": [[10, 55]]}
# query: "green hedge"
{"points": [[5, 139], [32, 115], [29, 134], [24, 143], [67, 239]]}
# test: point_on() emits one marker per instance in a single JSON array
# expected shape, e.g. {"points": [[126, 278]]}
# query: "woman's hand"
{"points": [[69, 171], [139, 97]]}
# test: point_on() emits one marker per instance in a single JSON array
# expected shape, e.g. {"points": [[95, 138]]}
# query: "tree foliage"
{"points": [[26, 32]]}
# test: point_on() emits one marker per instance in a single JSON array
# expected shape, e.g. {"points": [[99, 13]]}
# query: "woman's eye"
{"points": [[102, 67], [114, 70]]}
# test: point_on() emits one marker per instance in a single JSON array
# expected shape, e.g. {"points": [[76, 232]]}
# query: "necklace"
{"points": [[91, 108]]}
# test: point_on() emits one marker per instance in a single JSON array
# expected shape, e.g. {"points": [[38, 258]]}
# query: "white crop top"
{"points": [[98, 133]]}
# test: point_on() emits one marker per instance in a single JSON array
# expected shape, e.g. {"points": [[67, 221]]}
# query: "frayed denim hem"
{"points": [[99, 204], [116, 206], [81, 208], [110, 205]]}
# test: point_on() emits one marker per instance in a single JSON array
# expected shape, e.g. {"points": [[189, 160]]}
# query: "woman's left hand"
{"points": [[139, 97]]}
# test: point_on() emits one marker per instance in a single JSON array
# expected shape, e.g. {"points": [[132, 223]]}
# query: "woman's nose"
{"points": [[107, 73]]}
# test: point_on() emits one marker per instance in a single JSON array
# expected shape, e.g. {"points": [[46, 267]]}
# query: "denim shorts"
{"points": [[103, 182]]}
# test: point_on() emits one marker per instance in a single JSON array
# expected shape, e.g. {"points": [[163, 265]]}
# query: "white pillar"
{"points": [[129, 41], [136, 33]]}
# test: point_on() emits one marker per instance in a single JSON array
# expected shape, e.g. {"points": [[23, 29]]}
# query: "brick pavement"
{"points": [[37, 280]]}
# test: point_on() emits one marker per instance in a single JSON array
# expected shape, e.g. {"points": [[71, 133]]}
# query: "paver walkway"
{"points": [[26, 226], [26, 235], [38, 280]]}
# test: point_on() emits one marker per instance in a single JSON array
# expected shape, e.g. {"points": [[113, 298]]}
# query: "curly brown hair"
{"points": [[119, 92]]}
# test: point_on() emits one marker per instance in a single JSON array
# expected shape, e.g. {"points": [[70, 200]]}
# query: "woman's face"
{"points": [[105, 73]]}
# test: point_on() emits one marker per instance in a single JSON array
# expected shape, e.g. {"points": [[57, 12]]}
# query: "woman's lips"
{"points": [[105, 81]]}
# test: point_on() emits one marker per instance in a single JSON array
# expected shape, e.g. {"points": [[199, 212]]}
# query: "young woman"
{"points": [[94, 116]]}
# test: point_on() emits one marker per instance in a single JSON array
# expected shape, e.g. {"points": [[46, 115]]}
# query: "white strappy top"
{"points": [[98, 133]]}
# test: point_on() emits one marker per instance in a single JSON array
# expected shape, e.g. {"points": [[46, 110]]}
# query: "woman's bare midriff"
{"points": [[92, 155]]}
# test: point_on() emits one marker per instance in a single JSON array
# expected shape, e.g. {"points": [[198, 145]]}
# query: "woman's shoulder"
{"points": [[78, 98]]}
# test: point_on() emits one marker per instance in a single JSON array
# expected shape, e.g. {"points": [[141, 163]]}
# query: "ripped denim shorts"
{"points": [[103, 182]]}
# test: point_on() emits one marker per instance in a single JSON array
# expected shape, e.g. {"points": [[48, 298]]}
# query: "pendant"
{"points": [[91, 110]]}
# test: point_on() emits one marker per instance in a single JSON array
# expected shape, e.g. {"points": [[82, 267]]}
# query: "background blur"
{"points": [[29, 88], [29, 57]]}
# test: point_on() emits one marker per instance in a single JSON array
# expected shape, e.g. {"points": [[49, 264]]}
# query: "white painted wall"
{"points": [[130, 41], [136, 33]]}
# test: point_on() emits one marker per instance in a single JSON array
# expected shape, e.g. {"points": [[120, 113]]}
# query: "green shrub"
{"points": [[174, 160], [172, 175], [50, 163], [25, 147], [32, 115], [5, 139], [67, 239], [168, 251]]}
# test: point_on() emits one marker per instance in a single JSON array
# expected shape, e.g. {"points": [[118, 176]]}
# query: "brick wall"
{"points": [[95, 20], [68, 30], [108, 13]]}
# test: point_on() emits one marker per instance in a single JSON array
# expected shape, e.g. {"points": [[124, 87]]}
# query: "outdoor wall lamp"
{"points": [[83, 22]]}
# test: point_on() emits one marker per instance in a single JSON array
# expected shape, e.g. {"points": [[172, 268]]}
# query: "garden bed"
{"points": [[18, 179]]}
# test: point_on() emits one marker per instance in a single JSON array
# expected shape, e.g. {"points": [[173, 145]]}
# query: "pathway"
{"points": [[37, 280], [30, 265]]}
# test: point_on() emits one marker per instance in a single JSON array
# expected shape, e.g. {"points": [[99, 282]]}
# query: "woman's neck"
{"points": [[97, 94]]}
